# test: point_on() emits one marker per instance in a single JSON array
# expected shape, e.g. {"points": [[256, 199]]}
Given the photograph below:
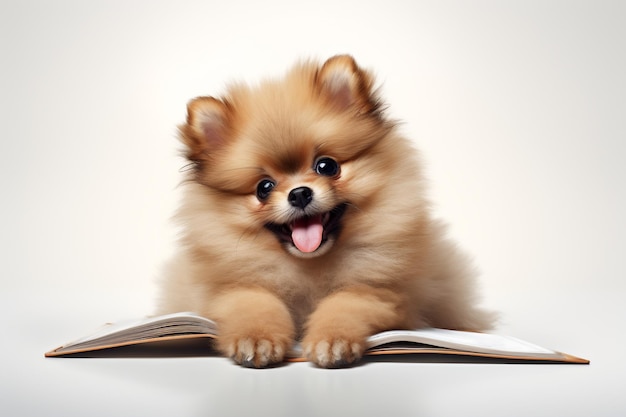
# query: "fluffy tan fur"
{"points": [[385, 264]]}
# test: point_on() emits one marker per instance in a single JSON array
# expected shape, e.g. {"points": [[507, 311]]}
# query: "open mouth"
{"points": [[309, 233]]}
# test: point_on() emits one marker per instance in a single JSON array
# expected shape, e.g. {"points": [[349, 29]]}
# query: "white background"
{"points": [[518, 108]]}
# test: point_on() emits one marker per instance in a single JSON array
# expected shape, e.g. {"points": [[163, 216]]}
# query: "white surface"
{"points": [[518, 108]]}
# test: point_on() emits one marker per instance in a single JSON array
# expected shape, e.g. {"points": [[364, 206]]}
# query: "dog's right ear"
{"points": [[207, 127]]}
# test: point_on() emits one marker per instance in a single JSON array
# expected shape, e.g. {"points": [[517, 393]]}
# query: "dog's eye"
{"points": [[327, 167], [264, 188]]}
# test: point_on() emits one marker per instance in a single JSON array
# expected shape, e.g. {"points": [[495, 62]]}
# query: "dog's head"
{"points": [[294, 157]]}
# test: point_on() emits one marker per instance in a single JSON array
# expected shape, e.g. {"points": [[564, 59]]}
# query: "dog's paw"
{"points": [[255, 327], [333, 352], [255, 353]]}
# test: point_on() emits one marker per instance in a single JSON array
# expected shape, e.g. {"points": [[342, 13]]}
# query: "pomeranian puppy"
{"points": [[304, 219]]}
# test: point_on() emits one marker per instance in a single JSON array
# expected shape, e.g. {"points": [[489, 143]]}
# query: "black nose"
{"points": [[300, 197]]}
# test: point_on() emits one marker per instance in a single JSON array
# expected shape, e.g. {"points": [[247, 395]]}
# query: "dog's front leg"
{"points": [[337, 330], [255, 327]]}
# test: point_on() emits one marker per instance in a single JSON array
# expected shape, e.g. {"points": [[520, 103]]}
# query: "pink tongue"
{"points": [[307, 233]]}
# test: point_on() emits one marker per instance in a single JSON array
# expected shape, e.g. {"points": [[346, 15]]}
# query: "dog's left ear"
{"points": [[346, 85]]}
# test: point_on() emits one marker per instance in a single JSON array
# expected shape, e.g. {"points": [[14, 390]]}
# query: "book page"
{"points": [[175, 323], [470, 341]]}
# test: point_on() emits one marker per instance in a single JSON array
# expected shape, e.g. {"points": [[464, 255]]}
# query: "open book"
{"points": [[180, 330]]}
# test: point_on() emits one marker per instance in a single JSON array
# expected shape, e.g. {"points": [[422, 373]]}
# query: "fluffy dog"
{"points": [[304, 219]]}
